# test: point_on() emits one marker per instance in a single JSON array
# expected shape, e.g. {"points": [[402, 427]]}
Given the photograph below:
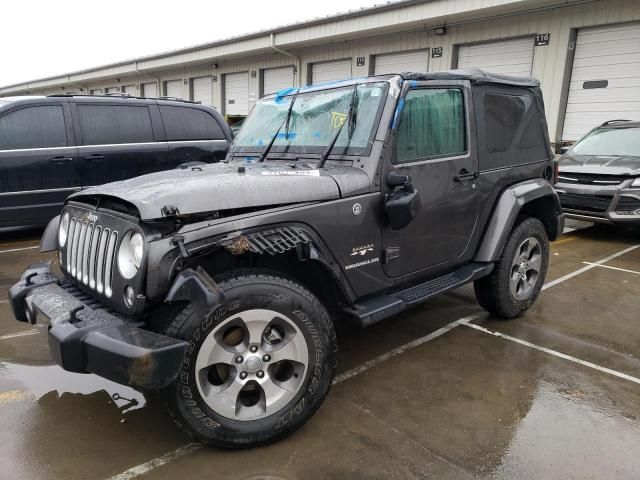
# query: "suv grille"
{"points": [[90, 255], [589, 203], [591, 178]]}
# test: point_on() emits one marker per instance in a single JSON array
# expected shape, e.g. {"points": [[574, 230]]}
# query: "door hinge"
{"points": [[390, 253]]}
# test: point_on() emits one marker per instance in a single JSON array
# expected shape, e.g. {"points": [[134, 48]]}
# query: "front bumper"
{"points": [[86, 338], [600, 204]]}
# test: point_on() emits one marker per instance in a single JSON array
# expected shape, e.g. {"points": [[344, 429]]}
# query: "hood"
{"points": [[225, 186], [599, 164]]}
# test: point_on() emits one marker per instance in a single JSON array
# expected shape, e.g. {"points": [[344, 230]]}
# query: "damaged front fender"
{"points": [[196, 287]]}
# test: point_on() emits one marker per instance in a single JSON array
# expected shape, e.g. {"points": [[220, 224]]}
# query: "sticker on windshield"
{"points": [[338, 119], [308, 173]]}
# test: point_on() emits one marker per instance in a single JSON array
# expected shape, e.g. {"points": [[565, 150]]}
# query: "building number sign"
{"points": [[542, 39]]}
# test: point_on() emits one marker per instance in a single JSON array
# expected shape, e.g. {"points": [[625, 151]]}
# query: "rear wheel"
{"points": [[257, 367], [517, 279]]}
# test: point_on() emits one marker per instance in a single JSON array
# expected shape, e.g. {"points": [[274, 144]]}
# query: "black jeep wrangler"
{"points": [[219, 284]]}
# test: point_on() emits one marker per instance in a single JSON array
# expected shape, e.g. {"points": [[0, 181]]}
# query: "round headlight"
{"points": [[63, 230], [130, 254]]}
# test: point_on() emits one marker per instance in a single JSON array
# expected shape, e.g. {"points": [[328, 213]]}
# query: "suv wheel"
{"points": [[257, 367], [516, 282]]}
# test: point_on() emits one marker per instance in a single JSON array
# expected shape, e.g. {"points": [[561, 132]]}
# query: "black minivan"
{"points": [[51, 147]]}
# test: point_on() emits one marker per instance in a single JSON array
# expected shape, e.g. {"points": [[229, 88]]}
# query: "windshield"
{"points": [[611, 142], [315, 119]]}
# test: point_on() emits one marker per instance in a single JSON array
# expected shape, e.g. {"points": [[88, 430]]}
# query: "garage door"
{"points": [[113, 90], [173, 88], [96, 91], [330, 71], [510, 57], [149, 90], [129, 89], [605, 79], [401, 62], [236, 93], [276, 79], [202, 90]]}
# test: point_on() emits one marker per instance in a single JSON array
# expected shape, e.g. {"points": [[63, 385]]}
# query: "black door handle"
{"points": [[94, 158], [61, 159], [464, 175]]}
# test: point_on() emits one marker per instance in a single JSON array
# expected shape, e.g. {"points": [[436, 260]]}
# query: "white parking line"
{"points": [[555, 353], [157, 462], [152, 464], [588, 267], [26, 333], [19, 249], [612, 268]]}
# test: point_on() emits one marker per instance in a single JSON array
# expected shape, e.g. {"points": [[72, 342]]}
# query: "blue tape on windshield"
{"points": [[280, 94], [396, 115], [289, 136]]}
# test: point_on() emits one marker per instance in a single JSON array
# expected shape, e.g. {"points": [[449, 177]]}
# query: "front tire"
{"points": [[257, 367], [517, 279]]}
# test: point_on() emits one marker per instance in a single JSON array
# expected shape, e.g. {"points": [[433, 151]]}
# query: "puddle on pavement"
{"points": [[43, 379]]}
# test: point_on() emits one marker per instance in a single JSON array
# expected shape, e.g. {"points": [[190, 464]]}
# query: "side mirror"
{"points": [[403, 204]]}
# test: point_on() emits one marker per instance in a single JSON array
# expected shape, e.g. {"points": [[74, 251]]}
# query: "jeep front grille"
{"points": [[90, 255]]}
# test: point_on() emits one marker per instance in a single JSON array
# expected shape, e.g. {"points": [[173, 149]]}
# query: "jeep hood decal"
{"points": [[222, 186]]}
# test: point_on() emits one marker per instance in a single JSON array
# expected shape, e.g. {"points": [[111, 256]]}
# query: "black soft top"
{"points": [[475, 75]]}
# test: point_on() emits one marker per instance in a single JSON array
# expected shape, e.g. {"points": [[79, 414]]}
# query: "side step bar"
{"points": [[383, 306]]}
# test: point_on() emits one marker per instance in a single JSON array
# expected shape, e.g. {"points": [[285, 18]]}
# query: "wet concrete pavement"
{"points": [[430, 402]]}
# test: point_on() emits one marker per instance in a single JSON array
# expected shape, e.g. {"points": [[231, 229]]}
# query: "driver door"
{"points": [[432, 146]]}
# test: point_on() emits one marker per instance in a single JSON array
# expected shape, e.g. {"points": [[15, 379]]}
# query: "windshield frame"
{"points": [[282, 151], [605, 129]]}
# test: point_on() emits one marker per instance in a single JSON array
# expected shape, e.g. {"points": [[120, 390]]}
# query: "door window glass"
{"points": [[114, 124], [183, 123], [33, 127], [432, 124]]}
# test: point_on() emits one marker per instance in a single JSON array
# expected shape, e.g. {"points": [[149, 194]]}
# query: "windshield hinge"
{"points": [[178, 241], [170, 211]]}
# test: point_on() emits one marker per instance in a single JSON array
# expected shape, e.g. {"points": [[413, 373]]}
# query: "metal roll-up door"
{"points": [[276, 79], [605, 79], [173, 88], [236, 93], [417, 61], [202, 90], [96, 91], [149, 90], [129, 89], [113, 90], [330, 71], [509, 57]]}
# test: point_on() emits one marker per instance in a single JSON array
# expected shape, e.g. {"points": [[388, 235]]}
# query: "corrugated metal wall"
{"points": [[549, 63]]}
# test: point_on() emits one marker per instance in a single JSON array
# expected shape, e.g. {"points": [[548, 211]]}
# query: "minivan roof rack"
{"points": [[123, 95], [610, 122]]}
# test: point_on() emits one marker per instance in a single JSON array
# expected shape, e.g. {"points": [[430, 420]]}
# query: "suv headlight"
{"points": [[63, 230], [130, 254], [636, 182]]}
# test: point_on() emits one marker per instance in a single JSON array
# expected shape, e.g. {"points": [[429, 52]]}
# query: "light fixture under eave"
{"points": [[440, 30]]}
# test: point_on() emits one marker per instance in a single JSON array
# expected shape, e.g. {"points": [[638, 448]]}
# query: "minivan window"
{"points": [[113, 124], [184, 123], [33, 127]]}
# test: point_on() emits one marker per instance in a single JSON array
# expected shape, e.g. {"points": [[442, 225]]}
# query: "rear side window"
{"points": [[432, 124], [33, 127], [184, 123], [513, 130], [114, 124]]}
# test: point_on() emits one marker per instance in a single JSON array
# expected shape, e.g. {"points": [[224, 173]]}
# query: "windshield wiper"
{"points": [[351, 120], [266, 151]]}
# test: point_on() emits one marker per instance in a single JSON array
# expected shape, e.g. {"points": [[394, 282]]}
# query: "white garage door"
{"points": [[330, 71], [113, 90], [605, 80], [96, 91], [236, 93], [149, 90], [173, 88], [202, 90], [401, 62], [510, 57], [276, 79], [129, 89]]}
